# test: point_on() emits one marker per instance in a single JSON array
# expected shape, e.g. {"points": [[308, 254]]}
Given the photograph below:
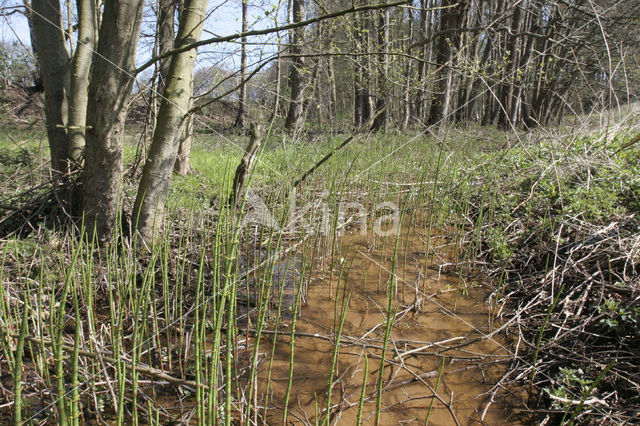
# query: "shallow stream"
{"points": [[442, 321]]}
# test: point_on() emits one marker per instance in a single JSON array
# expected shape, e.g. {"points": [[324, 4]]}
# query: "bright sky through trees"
{"points": [[223, 19]]}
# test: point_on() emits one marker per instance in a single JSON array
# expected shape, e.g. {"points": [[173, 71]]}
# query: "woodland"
{"points": [[320, 212]]}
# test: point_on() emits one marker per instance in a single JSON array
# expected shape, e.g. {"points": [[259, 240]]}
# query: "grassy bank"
{"points": [[558, 222]]}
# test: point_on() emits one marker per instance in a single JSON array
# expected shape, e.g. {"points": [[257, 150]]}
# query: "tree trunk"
{"points": [[507, 88], [166, 34], [311, 99], [442, 58], [242, 95], [156, 175], [53, 60], [333, 96], [182, 165], [358, 74], [362, 74], [276, 91], [450, 19], [380, 121], [110, 87], [246, 163], [80, 68], [426, 18], [296, 79], [407, 75]]}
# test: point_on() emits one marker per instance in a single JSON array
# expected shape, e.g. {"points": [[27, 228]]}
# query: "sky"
{"points": [[224, 19], [14, 22]]}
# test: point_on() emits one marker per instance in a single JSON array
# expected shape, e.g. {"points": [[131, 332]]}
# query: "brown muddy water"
{"points": [[441, 320]]}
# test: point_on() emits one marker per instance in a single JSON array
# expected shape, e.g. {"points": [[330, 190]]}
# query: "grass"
{"points": [[524, 214]]}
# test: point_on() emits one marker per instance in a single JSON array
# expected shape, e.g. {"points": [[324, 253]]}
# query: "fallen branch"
{"points": [[148, 371]]}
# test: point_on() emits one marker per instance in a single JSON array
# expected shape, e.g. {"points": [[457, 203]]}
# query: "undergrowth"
{"points": [[559, 222]]}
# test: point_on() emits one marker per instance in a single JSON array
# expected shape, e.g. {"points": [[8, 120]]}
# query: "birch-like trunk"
{"points": [[182, 165], [111, 82], [80, 68], [152, 193]]}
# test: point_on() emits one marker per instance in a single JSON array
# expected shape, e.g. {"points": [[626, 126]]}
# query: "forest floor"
{"points": [[497, 281]]}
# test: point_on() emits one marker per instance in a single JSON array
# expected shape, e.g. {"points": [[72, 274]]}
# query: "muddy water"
{"points": [[438, 317]]}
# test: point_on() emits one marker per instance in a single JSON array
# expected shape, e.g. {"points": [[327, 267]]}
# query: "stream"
{"points": [[442, 321]]}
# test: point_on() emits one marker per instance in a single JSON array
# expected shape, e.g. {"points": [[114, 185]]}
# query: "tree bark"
{"points": [[382, 92], [80, 68], [166, 34], [246, 163], [111, 82], [512, 60], [296, 78], [53, 60], [426, 17], [407, 75], [182, 165], [333, 97], [450, 19], [362, 105], [156, 175], [242, 94]]}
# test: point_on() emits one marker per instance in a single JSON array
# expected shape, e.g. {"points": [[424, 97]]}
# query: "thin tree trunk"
{"points": [[507, 88], [442, 58], [333, 97], [156, 174], [425, 55], [313, 82], [69, 33], [242, 95], [471, 97], [244, 168], [109, 90], [276, 92], [369, 100], [360, 95], [450, 19], [80, 68], [407, 75], [165, 36], [32, 34]]}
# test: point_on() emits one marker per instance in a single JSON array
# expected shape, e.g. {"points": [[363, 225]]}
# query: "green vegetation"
{"points": [[554, 220], [85, 304], [154, 270], [559, 222]]}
